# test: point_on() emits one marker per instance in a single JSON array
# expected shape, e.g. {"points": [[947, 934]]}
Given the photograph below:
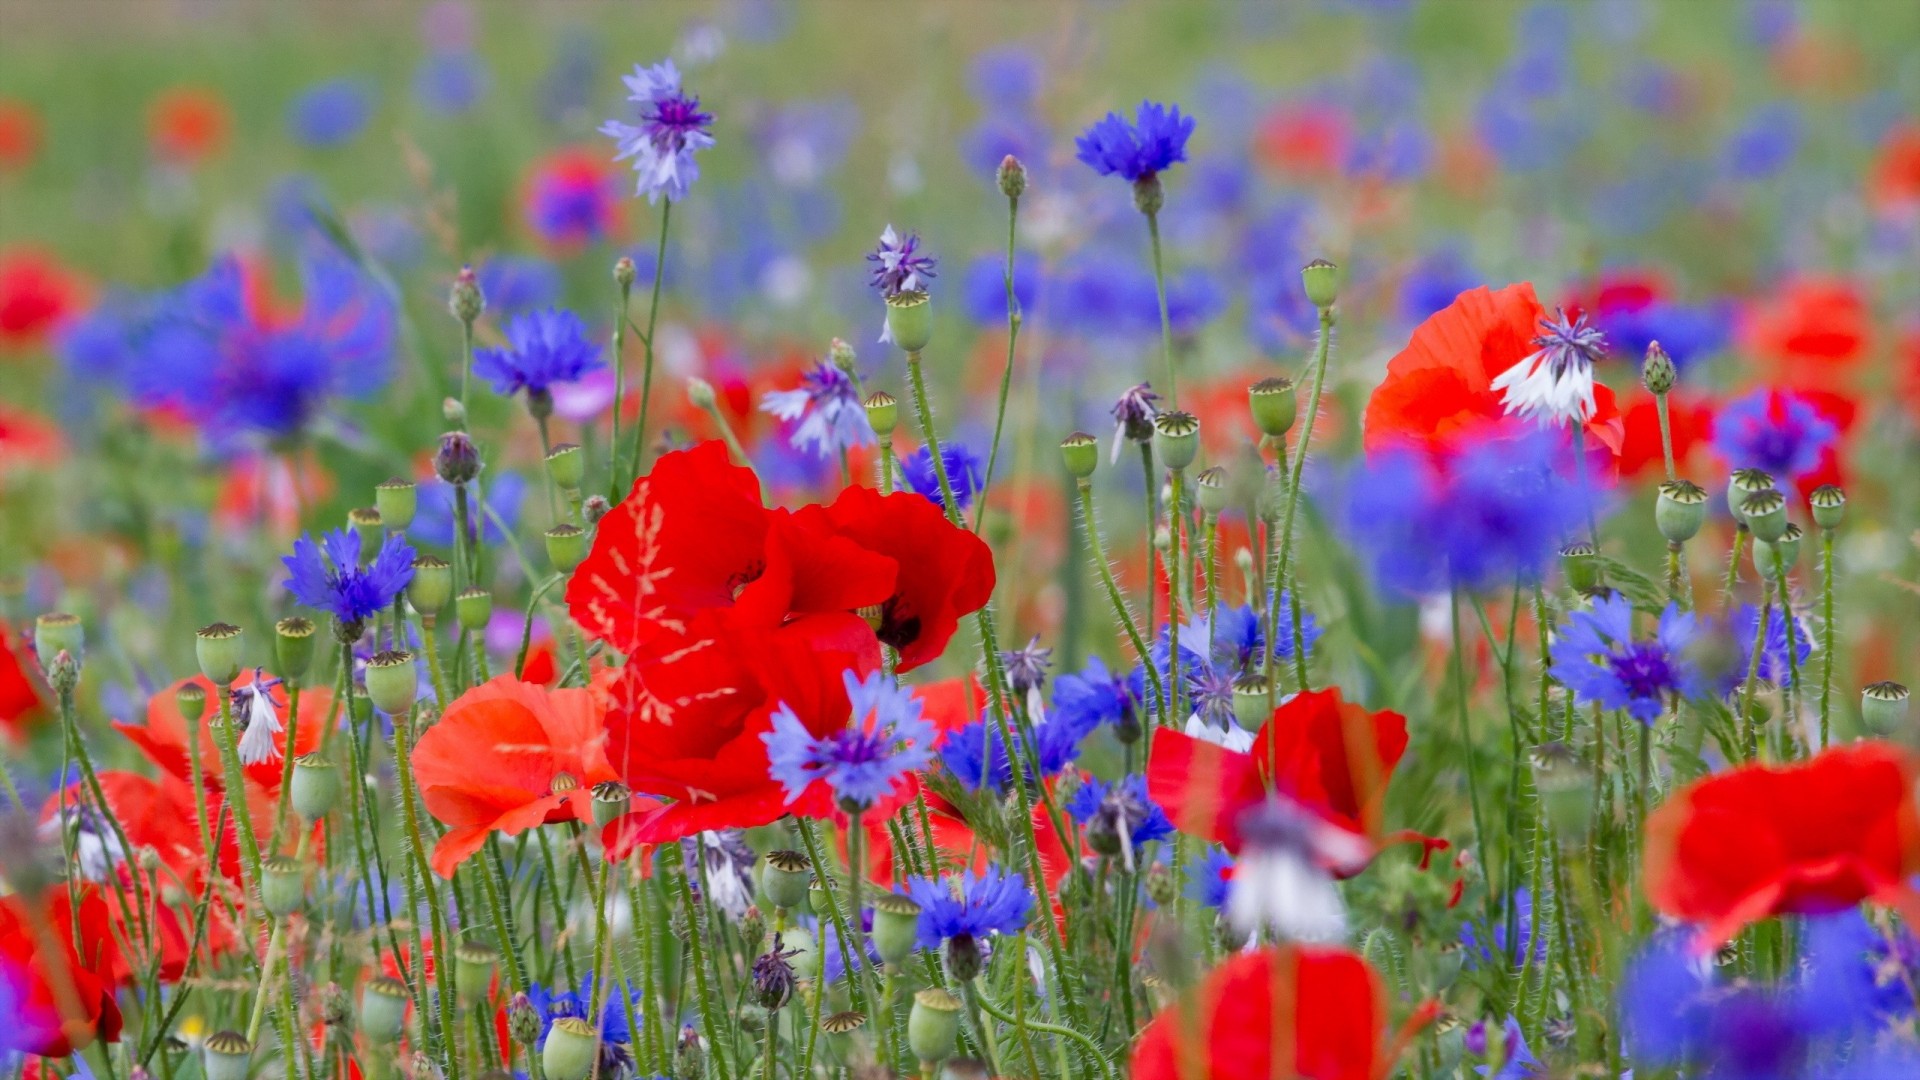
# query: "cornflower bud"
{"points": [[773, 977], [624, 272], [595, 508], [1012, 177], [523, 1021], [1657, 371], [465, 301], [1148, 195], [843, 356], [456, 461]]}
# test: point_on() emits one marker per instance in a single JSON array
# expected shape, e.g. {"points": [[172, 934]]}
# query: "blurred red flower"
{"points": [[20, 699], [571, 197], [1808, 327], [61, 982], [1689, 419], [1894, 184], [19, 134], [1304, 141], [37, 294], [187, 124], [1807, 838]]}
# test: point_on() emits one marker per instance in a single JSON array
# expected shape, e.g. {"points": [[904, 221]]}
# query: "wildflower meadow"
{"points": [[1071, 540]]}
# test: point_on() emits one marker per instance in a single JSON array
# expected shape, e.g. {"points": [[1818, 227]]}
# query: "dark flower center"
{"points": [[1643, 667], [674, 119], [899, 623]]}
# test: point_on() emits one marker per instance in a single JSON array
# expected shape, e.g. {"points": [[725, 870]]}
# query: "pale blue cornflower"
{"points": [[886, 739], [671, 128]]}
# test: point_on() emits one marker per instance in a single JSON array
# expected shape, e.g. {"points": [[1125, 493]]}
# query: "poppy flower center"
{"points": [[1642, 667], [899, 623], [737, 582]]}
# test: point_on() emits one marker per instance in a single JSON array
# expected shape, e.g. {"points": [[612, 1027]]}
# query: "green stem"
{"points": [[236, 795], [615, 473], [1321, 349], [710, 1015], [1460, 690], [1826, 634], [1118, 599], [1091, 1048], [1753, 671], [1175, 513], [646, 373], [1006, 374], [1666, 433], [286, 765], [1166, 324]]}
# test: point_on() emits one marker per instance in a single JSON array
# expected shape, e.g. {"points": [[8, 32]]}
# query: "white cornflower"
{"points": [[1555, 384]]}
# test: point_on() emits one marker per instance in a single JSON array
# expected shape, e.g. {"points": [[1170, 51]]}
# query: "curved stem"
{"points": [[1092, 1048], [1006, 374], [1118, 599], [646, 373]]}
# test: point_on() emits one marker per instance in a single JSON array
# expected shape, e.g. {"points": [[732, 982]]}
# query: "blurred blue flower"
{"points": [[545, 347], [450, 83], [1433, 282], [1742, 626], [517, 283], [433, 519], [886, 739], [1481, 948], [1119, 809], [824, 413], [1005, 77], [1765, 143], [1685, 332], [963, 473], [978, 758], [802, 142], [1774, 430], [974, 906], [984, 288], [671, 129], [1208, 877], [1098, 696], [330, 113], [994, 136], [1154, 141], [1596, 656]]}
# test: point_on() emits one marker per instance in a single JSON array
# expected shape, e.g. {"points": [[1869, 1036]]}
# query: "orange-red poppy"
{"points": [[187, 124], [62, 983], [1689, 421], [37, 294]]}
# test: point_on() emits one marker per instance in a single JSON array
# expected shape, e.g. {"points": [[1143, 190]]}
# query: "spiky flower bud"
{"points": [[523, 1021], [1274, 405], [773, 977], [1321, 279], [218, 647], [1829, 505], [843, 356], [595, 508], [1680, 510], [1176, 439], [965, 956], [1148, 195], [1012, 177], [624, 272], [457, 461], [1081, 452], [1657, 370], [465, 301], [1161, 888], [57, 632], [454, 412]]}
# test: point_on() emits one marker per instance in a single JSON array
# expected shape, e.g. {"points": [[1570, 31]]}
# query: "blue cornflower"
{"points": [[1098, 696], [978, 758], [671, 128], [546, 347], [1595, 656], [825, 410], [1005, 77], [833, 965], [1742, 626], [899, 265], [1480, 948], [327, 576], [1119, 818], [993, 902], [1237, 633], [984, 290], [450, 83], [516, 283], [616, 1039], [1138, 151], [1432, 283], [1555, 384], [1765, 144], [1209, 875], [433, 520], [330, 113], [1685, 332], [886, 739], [1773, 430], [963, 473], [1516, 1061]]}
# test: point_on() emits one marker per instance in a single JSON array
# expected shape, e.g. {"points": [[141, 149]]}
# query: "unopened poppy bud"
{"points": [[475, 962], [1581, 563], [690, 1057], [1883, 707], [283, 887], [58, 632], [474, 608], [316, 786], [383, 1009], [1210, 490], [364, 519], [465, 301], [1274, 405], [785, 878], [432, 584], [611, 800], [566, 546], [1787, 548], [567, 464], [1766, 514], [1176, 439], [1565, 787], [1250, 701], [191, 702], [595, 508], [218, 646], [700, 392], [1742, 483], [1012, 177], [1321, 279], [228, 1054], [293, 647], [1829, 505], [454, 412], [896, 919], [1081, 452], [1148, 195], [392, 682], [570, 1050], [523, 1021], [1680, 510], [624, 272], [456, 461], [1657, 370], [910, 320], [883, 412], [933, 1025]]}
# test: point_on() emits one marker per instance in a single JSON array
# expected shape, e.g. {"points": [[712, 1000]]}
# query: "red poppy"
{"points": [[27, 441], [19, 134], [187, 124], [163, 737], [1689, 420], [693, 535], [1304, 141], [945, 571], [61, 983], [19, 693], [1809, 326], [270, 489], [1331, 756], [1807, 838], [1895, 182], [1330, 1004], [508, 756], [37, 294], [1439, 389]]}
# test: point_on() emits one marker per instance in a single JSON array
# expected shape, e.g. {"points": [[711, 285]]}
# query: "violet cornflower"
{"points": [[971, 907], [899, 265], [544, 347], [1595, 656], [671, 128], [825, 409], [886, 739], [963, 474], [1773, 430], [327, 576]]}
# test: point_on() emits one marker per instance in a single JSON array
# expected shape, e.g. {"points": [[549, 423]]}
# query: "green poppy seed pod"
{"points": [[1250, 699], [1274, 404], [571, 1049], [1012, 177], [1322, 282], [883, 412], [785, 878], [191, 702], [839, 1029], [624, 272], [293, 647], [473, 607], [1788, 548], [1657, 371], [432, 584], [566, 546], [611, 801], [1081, 452], [1766, 514], [465, 301], [57, 632], [1581, 563], [818, 898], [392, 682], [316, 786], [896, 920], [1565, 786], [228, 1054], [364, 519], [383, 1009], [1680, 510], [1883, 706], [457, 461], [475, 963], [1176, 439], [1829, 506], [933, 1025], [1210, 490], [806, 958], [218, 647], [910, 320], [1148, 195], [567, 464], [283, 885], [1742, 483]]}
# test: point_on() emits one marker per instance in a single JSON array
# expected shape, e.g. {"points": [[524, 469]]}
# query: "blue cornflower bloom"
{"points": [[833, 965], [1480, 948], [1774, 430], [1765, 144], [1120, 818], [899, 265], [1685, 332], [1098, 696], [825, 410], [1517, 1061], [516, 283], [616, 1039], [450, 83], [1433, 282], [1498, 513], [433, 520], [1138, 151], [978, 758], [546, 347], [1236, 633], [1005, 77], [975, 906], [1209, 876], [1595, 656], [963, 473], [1742, 626], [886, 739], [327, 576], [671, 128], [330, 113]]}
